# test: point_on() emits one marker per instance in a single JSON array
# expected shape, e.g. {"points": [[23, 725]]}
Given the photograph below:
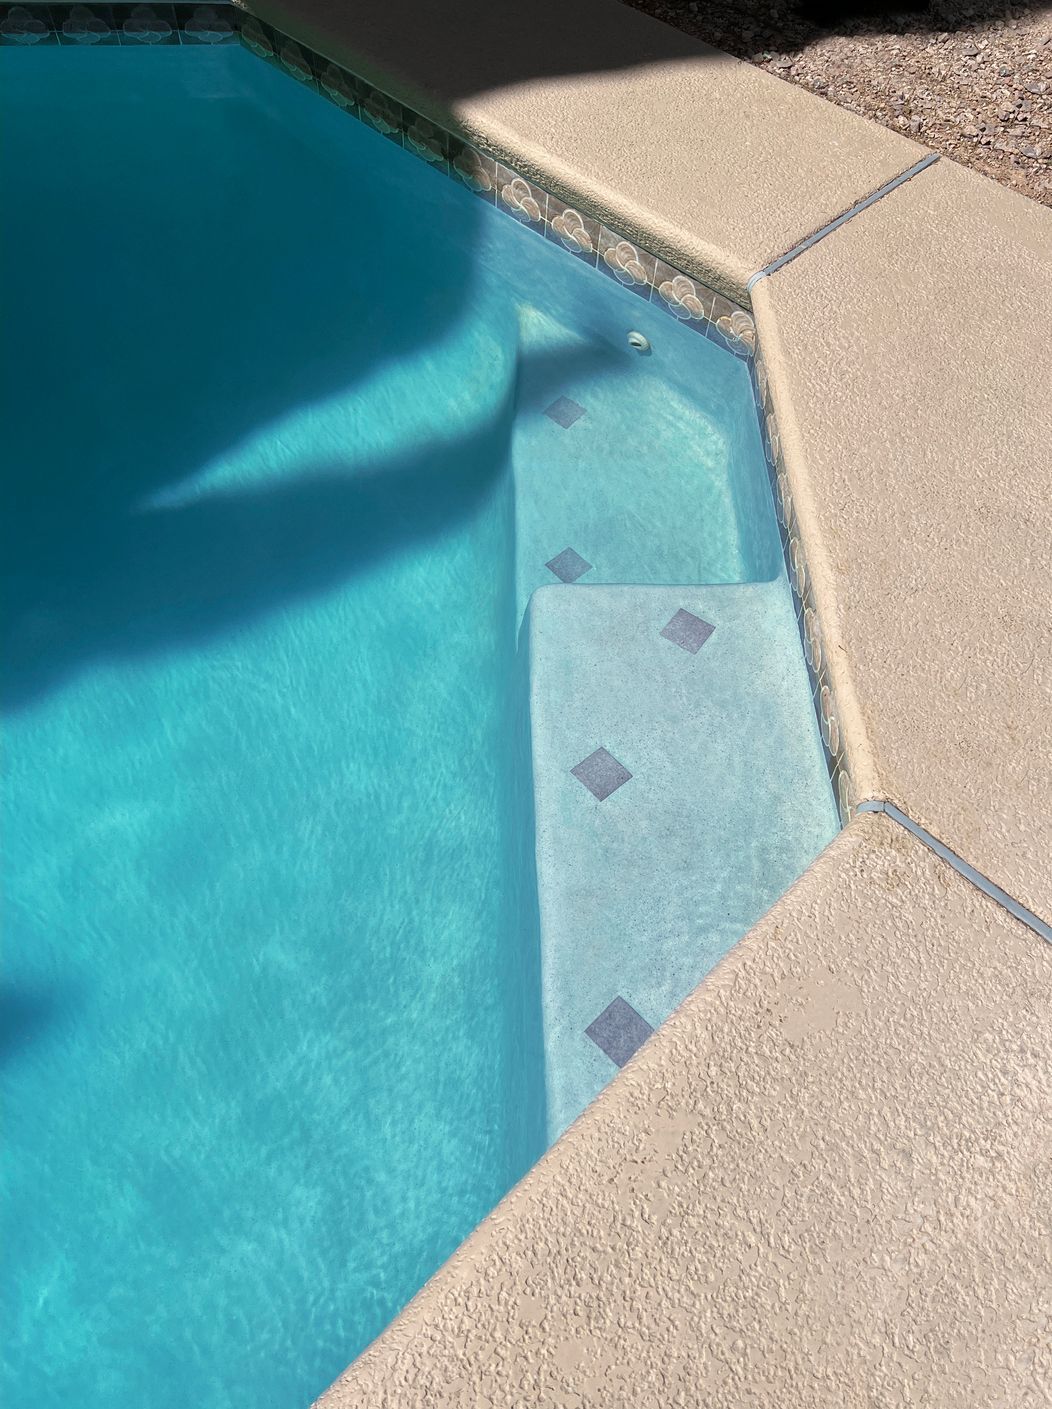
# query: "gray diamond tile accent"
{"points": [[619, 1031], [568, 566], [564, 412], [601, 773], [688, 631]]}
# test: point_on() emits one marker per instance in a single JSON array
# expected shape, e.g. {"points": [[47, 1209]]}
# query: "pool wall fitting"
{"points": [[579, 234]]}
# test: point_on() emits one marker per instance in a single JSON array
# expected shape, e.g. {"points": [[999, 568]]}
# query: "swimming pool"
{"points": [[292, 991]]}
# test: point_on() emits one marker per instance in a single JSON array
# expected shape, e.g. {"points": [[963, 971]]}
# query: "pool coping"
{"points": [[817, 568]]}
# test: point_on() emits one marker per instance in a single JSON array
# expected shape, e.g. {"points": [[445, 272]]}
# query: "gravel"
{"points": [[971, 80]]}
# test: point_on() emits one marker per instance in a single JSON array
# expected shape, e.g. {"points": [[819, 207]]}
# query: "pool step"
{"points": [[679, 787]]}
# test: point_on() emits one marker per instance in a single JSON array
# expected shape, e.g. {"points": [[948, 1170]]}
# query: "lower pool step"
{"points": [[680, 789]]}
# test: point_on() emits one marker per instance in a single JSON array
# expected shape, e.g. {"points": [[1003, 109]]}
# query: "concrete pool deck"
{"points": [[826, 1179]]}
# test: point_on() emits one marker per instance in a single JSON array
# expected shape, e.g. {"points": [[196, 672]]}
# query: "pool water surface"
{"points": [[279, 1022]]}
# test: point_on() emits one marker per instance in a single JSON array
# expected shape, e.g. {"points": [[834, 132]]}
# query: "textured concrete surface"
{"points": [[826, 1181], [714, 165], [908, 356]]}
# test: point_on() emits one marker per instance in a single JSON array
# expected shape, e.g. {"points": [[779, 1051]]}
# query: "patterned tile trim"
{"points": [[582, 236], [803, 596], [132, 25]]}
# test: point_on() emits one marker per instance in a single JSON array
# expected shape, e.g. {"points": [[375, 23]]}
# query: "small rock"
{"points": [[969, 51], [969, 131], [1039, 87]]}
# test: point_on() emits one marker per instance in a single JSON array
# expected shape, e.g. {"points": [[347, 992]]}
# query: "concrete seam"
{"points": [[856, 209], [983, 883]]}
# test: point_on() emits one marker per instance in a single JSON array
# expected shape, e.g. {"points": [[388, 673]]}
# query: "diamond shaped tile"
{"points": [[601, 773], [564, 412], [619, 1031], [568, 566], [688, 631]]}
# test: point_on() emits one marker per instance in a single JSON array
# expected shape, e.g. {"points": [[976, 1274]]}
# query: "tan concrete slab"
{"points": [[707, 161], [825, 1182], [908, 356]]}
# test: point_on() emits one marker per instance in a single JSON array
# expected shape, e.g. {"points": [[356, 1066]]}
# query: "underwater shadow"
{"points": [[25, 1013], [141, 582], [241, 261], [135, 582]]}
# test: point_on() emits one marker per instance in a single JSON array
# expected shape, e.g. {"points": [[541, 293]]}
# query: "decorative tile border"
{"points": [[803, 596], [581, 235], [133, 25]]}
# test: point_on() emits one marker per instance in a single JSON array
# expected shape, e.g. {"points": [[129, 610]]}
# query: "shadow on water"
{"points": [[192, 313], [140, 582], [111, 580], [155, 363]]}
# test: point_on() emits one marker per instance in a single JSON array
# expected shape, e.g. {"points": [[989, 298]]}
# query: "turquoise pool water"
{"points": [[278, 488]]}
